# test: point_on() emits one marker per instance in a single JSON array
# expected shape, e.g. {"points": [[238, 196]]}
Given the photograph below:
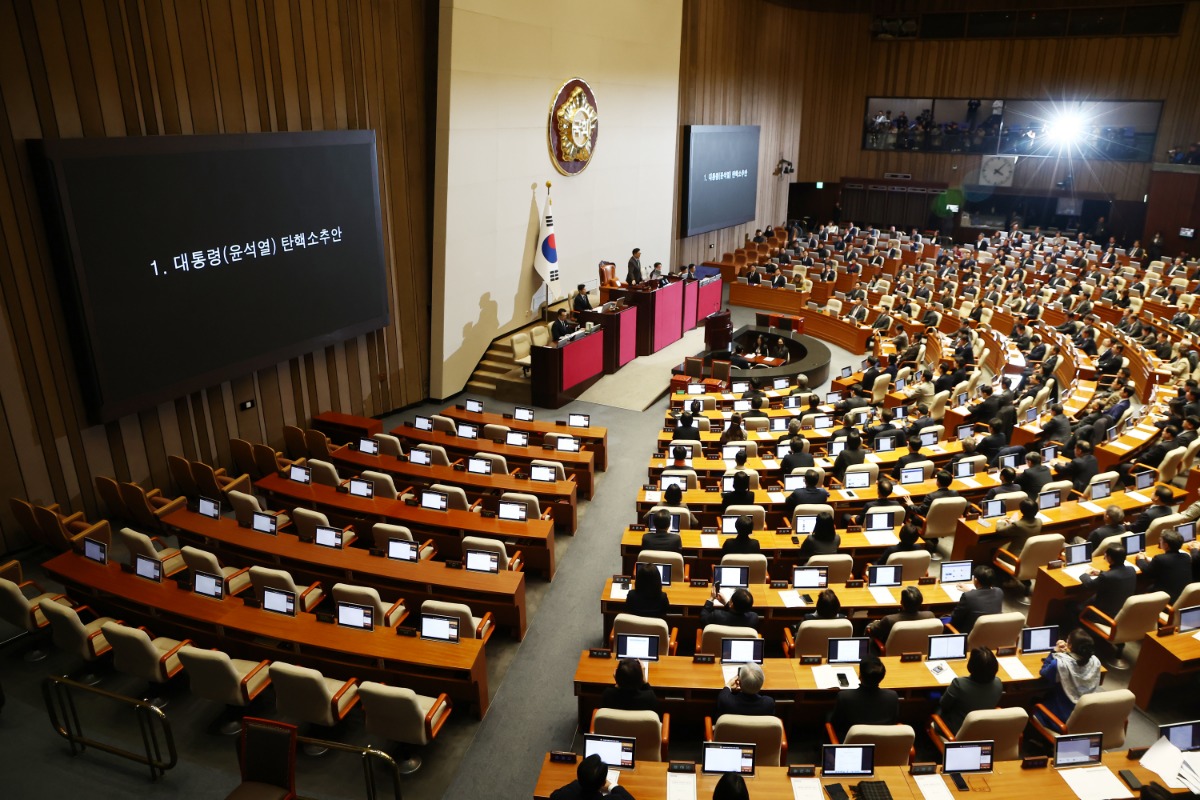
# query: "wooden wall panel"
{"points": [[73, 68], [804, 73]]}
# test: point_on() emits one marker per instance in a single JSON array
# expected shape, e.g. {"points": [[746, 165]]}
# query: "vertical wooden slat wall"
{"points": [[99, 68], [804, 74]]}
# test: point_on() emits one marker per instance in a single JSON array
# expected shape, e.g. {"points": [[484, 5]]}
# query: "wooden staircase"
{"points": [[497, 375]]}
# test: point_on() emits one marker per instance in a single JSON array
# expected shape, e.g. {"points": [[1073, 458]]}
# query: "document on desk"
{"points": [[1189, 772], [1045, 519], [681, 786], [614, 777], [763, 436], [619, 591], [933, 787], [1137, 496], [653, 495], [952, 591], [1077, 571], [791, 599], [872, 458], [770, 463], [1166, 760], [899, 491], [729, 672], [807, 789], [942, 672], [1120, 446], [883, 595], [826, 677], [1090, 783], [934, 448], [881, 537], [1015, 668], [1138, 433], [970, 483], [1092, 507], [777, 497], [710, 541]]}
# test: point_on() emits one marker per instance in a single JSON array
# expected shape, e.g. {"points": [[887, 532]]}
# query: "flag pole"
{"points": [[547, 283]]}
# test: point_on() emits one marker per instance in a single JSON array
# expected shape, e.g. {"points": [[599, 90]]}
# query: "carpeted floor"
{"points": [[645, 379]]}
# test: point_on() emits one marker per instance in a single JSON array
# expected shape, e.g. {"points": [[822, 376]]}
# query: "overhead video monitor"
{"points": [[1041, 639], [209, 508], [148, 568], [482, 561], [516, 439], [721, 757], [947, 646], [512, 511], [848, 650], [742, 651], [353, 615], [522, 414], [856, 480], [968, 757], [545, 474], [810, 577], [1078, 750], [208, 585], [616, 752], [884, 574], [731, 577], [847, 760], [403, 550], [279, 601], [368, 446], [329, 537], [1184, 735], [434, 501], [300, 474], [479, 466], [420, 457], [439, 627], [955, 572], [474, 406], [264, 523], [643, 647], [361, 488]]}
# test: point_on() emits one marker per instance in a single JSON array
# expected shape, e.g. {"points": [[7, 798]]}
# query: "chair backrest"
{"points": [[751, 447], [688, 474], [912, 636], [490, 545], [645, 626], [456, 497], [109, 491], [382, 531], [211, 675], [324, 472], [244, 506], [520, 344], [1012, 500], [765, 733], [644, 726], [198, 560], [137, 506], [381, 482], [389, 445], [137, 543], [813, 635], [944, 513], [1190, 596], [868, 467], [540, 335], [499, 463], [393, 712], [560, 472], [317, 444], [1004, 726], [755, 423], [303, 693], [662, 557], [181, 473], [363, 596], [307, 521], [937, 408], [206, 480], [533, 508], [711, 636], [293, 442], [757, 563], [840, 566], [68, 632], [757, 513], [1106, 712], [134, 653], [994, 631], [268, 754], [437, 454], [1138, 616], [1038, 551], [915, 563], [265, 460], [267, 578], [444, 424], [879, 388], [466, 620], [893, 743], [1169, 468], [14, 606], [1164, 523]]}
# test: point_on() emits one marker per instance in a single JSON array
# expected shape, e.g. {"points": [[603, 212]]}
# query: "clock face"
{"points": [[997, 171]]}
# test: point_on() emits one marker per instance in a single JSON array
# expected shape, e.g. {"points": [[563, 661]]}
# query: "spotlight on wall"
{"points": [[1066, 128], [784, 167]]}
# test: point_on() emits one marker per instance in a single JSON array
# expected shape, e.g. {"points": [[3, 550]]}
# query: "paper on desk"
{"points": [[1138, 433], [883, 595], [1045, 520], [776, 497], [952, 591], [1092, 507], [619, 591], [1090, 783], [899, 491], [763, 435], [1077, 571], [729, 672], [826, 677], [1139, 497], [1196, 635], [871, 457], [847, 494], [727, 396], [770, 463], [791, 599], [653, 495], [970, 483], [729, 465], [709, 540], [933, 787], [881, 537], [1122, 447], [614, 777], [681, 786], [1015, 668], [934, 448], [807, 789], [1165, 759], [725, 594], [942, 672], [1189, 773]]}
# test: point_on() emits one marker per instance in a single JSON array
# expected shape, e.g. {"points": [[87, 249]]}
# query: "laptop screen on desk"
{"points": [[781, 383], [857, 480], [482, 561], [479, 466], [731, 451], [695, 388], [1040, 639], [279, 601], [847, 372], [512, 511], [475, 406], [964, 431], [643, 647], [422, 423], [1031, 414], [439, 627], [567, 444], [353, 615], [207, 584], [849, 650], [329, 537], [737, 387], [947, 646], [833, 397], [434, 501], [729, 523], [964, 469], [993, 509], [468, 431], [516, 439], [300, 474], [615, 751], [885, 444], [1078, 553], [1049, 500], [822, 422], [1078, 750], [148, 568], [929, 438], [1144, 479], [1009, 460], [955, 572], [741, 405], [810, 577], [806, 523], [884, 575], [403, 550], [664, 573], [911, 475], [362, 488], [1184, 735], [721, 757], [1049, 453], [847, 760], [1101, 490], [578, 420], [779, 424], [420, 457], [667, 481], [1187, 530], [209, 508], [1134, 543], [522, 414], [742, 651], [731, 577], [263, 523], [368, 446], [95, 550], [1189, 619], [968, 756], [880, 521]]}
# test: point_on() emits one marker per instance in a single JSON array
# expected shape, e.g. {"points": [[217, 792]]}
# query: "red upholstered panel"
{"points": [[582, 359]]}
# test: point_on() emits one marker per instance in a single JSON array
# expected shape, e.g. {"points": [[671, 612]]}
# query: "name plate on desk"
{"points": [[563, 757], [779, 584], [1035, 762], [599, 652], [681, 766], [698, 583], [412, 632], [1011, 650], [857, 583], [703, 658], [923, 769], [453, 564], [907, 658], [802, 771], [708, 530], [926, 580], [487, 514], [637, 527], [810, 661], [713, 489], [783, 531]]}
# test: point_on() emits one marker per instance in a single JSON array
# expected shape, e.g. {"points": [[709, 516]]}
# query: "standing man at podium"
{"points": [[634, 273]]}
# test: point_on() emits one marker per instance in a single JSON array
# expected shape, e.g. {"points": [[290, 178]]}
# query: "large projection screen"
{"points": [[186, 261], [720, 176]]}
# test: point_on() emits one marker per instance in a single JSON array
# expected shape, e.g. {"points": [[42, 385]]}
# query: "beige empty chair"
{"points": [[751, 447], [910, 636], [757, 513], [139, 544], [914, 564], [533, 508], [1137, 617], [1106, 712], [388, 616], [267, 578], [20, 603], [1064, 489], [757, 563], [198, 560], [1038, 551], [382, 484], [469, 626], [1004, 726], [307, 521], [871, 469], [708, 639], [994, 631], [495, 433], [813, 635], [927, 467], [942, 519], [72, 634], [1169, 468], [389, 445], [1166, 523], [308, 695], [540, 335], [520, 344], [840, 566], [647, 626], [437, 454], [937, 408], [444, 424], [404, 716], [456, 497], [879, 388], [136, 653], [381, 532], [489, 545], [324, 473], [234, 682], [766, 733], [755, 424], [560, 472], [499, 463], [652, 735], [246, 505], [893, 743], [181, 473]]}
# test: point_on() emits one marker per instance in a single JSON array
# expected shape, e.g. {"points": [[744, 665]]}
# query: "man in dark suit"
{"points": [[779, 281], [741, 695], [740, 495], [858, 312], [922, 422], [1113, 586], [944, 479], [1058, 427], [561, 326], [851, 456], [661, 537], [1154, 455], [985, 410], [754, 278], [811, 493], [686, 428], [634, 272], [796, 457], [1113, 525], [1037, 349], [868, 704], [984, 598], [1160, 507], [1170, 570], [870, 374], [591, 781], [1035, 476], [1081, 469], [738, 613], [994, 442]]}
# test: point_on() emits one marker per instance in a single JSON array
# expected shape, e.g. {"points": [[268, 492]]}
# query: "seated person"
{"points": [[1113, 586], [661, 538], [738, 613], [796, 457], [631, 692], [561, 326], [686, 428], [591, 783], [646, 598], [732, 786], [883, 490], [913, 456], [1160, 506], [1008, 484], [1114, 525], [908, 535], [868, 704], [1072, 671], [1170, 570], [979, 691], [827, 607], [741, 695], [1019, 531], [849, 457], [823, 541], [740, 495], [985, 597], [811, 493], [910, 611], [944, 479], [742, 542]]}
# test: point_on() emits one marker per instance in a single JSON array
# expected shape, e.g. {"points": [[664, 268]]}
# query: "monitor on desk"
{"points": [[695, 388], [911, 475], [353, 615], [368, 446], [643, 647], [781, 383], [208, 585], [955, 571], [300, 474], [148, 568], [361, 488], [1187, 531], [1009, 460], [1078, 750], [968, 756], [782, 449], [1101, 490], [742, 651], [993, 509], [847, 372], [422, 423], [864, 364], [544, 474], [947, 646], [779, 424], [1144, 479], [962, 400], [482, 561], [567, 444], [675, 523], [737, 387], [474, 406], [929, 438], [1134, 543], [403, 550], [727, 577], [1040, 639], [860, 479], [964, 468], [479, 466], [466, 430], [522, 414], [884, 574], [727, 483], [439, 627], [806, 523], [741, 406], [1031, 415], [434, 500], [210, 508], [900, 384], [264, 523], [1049, 500], [847, 760], [1078, 553], [791, 401], [1184, 735], [822, 422], [964, 431], [810, 577], [422, 457], [667, 481], [1049, 453], [793, 482], [719, 758], [885, 444], [1111, 434], [279, 601], [1189, 619], [329, 537], [833, 397], [881, 520], [513, 511], [848, 650], [731, 451], [516, 439], [615, 751]]}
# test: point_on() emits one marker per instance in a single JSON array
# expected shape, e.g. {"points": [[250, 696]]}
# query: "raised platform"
{"points": [[806, 356]]}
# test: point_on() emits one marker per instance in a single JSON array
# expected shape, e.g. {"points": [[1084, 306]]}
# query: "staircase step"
{"points": [[481, 387]]}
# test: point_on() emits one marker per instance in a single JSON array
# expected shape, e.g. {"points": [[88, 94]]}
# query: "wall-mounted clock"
{"points": [[997, 170]]}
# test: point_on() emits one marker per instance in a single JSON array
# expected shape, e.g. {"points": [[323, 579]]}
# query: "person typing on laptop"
{"points": [[1114, 525], [741, 695], [984, 598], [1171, 570], [591, 782], [910, 611]]}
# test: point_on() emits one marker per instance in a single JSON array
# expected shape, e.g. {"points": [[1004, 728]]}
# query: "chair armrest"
{"points": [[442, 700], [515, 562], [484, 624], [172, 653], [244, 685], [666, 734], [91, 641], [950, 628], [219, 472], [572, 478], [831, 733], [783, 745], [475, 506], [174, 505], [789, 643], [708, 729], [337, 699], [880, 645], [592, 722], [1058, 723], [230, 578], [387, 615], [1105, 617], [699, 640], [240, 483], [941, 732], [67, 519], [432, 548], [11, 571], [672, 641], [316, 586]]}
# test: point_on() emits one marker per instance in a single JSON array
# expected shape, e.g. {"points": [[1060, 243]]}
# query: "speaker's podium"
{"points": [[620, 333], [659, 313], [563, 372], [718, 331]]}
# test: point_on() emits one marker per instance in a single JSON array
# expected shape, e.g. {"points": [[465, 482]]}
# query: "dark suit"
{"points": [[582, 303], [806, 496], [573, 791], [641, 699], [736, 498], [1103, 532], [1056, 429], [559, 329], [864, 706], [751, 705], [689, 433], [847, 458], [936, 494], [1143, 520], [795, 460], [712, 615], [990, 446], [1170, 572], [662, 541], [634, 273], [638, 605], [1079, 471], [1033, 479], [985, 410], [974, 604], [1113, 587]]}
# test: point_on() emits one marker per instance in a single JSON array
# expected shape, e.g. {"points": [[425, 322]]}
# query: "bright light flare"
{"points": [[1066, 128]]}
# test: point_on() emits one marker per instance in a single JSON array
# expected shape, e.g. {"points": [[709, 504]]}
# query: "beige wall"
{"points": [[500, 63]]}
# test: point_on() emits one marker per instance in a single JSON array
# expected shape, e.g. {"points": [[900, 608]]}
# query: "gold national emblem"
{"points": [[574, 127]]}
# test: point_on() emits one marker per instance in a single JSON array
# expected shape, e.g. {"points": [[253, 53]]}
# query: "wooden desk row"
{"points": [[503, 594], [535, 538], [714, 467], [428, 667], [596, 438]]}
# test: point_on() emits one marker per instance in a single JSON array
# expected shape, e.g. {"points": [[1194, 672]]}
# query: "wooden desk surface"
{"points": [[503, 593], [458, 669], [535, 537], [594, 435], [943, 452]]}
